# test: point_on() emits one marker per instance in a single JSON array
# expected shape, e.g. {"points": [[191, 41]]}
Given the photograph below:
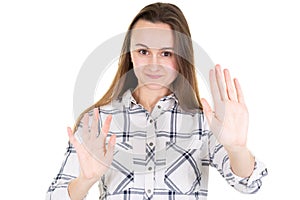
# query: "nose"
{"points": [[155, 63]]}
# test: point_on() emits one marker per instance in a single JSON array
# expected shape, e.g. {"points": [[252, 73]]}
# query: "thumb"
{"points": [[207, 110]]}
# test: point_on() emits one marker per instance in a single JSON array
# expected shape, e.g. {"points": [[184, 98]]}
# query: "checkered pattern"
{"points": [[164, 154]]}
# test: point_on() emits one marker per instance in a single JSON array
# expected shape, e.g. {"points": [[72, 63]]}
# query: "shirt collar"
{"points": [[169, 101]]}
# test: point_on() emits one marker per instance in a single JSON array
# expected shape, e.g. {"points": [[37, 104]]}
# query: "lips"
{"points": [[153, 76]]}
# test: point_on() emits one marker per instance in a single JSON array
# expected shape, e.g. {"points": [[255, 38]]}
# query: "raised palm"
{"points": [[94, 157], [229, 120]]}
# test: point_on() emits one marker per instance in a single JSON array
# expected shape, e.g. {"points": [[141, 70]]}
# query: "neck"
{"points": [[149, 97]]}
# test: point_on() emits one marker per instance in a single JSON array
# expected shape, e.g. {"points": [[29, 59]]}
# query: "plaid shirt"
{"points": [[164, 154]]}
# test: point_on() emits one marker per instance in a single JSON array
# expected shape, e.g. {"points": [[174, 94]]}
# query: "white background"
{"points": [[44, 43]]}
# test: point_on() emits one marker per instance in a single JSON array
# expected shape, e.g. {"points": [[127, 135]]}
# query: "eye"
{"points": [[143, 52], [166, 54]]}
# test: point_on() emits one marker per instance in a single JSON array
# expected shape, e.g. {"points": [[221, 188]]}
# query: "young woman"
{"points": [[151, 136]]}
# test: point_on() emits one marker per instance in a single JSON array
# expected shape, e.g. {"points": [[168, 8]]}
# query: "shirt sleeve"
{"points": [[219, 159], [69, 170]]}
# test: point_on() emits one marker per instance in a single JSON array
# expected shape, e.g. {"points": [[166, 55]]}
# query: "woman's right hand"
{"points": [[94, 157]]}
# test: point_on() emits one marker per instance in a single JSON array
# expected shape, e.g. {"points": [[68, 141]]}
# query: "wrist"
{"points": [[86, 181], [236, 149], [78, 188], [241, 161]]}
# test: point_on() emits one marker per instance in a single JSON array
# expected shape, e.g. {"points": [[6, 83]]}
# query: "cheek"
{"points": [[137, 60], [172, 72], [171, 69], [172, 64]]}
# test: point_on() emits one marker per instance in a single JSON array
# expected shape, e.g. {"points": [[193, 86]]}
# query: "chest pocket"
{"points": [[183, 174], [120, 176]]}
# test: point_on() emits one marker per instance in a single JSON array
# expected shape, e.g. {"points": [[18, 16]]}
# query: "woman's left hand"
{"points": [[229, 120]]}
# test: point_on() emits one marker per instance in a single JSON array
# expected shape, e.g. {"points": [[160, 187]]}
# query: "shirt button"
{"points": [[149, 168], [148, 191], [159, 107], [151, 144], [151, 120]]}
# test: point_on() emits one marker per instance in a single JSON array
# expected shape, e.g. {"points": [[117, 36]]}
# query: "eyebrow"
{"points": [[145, 46]]}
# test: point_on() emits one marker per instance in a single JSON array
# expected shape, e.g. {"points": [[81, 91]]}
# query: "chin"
{"points": [[155, 86]]}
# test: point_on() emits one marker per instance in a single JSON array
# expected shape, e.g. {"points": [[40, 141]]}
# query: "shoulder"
{"points": [[113, 107]]}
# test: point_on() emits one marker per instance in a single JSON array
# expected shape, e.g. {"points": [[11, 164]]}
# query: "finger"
{"points": [[110, 148], [220, 82], [207, 110], [94, 126], [104, 130], [85, 127], [229, 87], [106, 125], [79, 148], [70, 134], [239, 91], [72, 138], [214, 87]]}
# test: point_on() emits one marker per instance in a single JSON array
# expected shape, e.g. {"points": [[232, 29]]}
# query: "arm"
{"points": [[229, 125]]}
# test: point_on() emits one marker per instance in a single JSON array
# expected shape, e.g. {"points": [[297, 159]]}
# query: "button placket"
{"points": [[149, 182], [149, 168]]}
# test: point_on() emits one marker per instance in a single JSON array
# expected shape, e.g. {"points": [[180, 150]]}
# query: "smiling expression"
{"points": [[152, 54]]}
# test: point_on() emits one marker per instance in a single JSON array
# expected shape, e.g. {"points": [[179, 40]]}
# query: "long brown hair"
{"points": [[185, 85]]}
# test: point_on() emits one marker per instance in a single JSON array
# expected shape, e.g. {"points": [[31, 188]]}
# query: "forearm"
{"points": [[79, 187], [241, 161]]}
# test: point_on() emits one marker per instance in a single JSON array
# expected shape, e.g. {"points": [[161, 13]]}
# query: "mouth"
{"points": [[153, 76]]}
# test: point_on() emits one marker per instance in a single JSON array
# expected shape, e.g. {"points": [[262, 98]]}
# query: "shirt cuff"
{"points": [[249, 184]]}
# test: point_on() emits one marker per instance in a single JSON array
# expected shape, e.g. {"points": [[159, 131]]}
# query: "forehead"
{"points": [[153, 35]]}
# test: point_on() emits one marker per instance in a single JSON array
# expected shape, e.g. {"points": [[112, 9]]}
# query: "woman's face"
{"points": [[152, 54]]}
